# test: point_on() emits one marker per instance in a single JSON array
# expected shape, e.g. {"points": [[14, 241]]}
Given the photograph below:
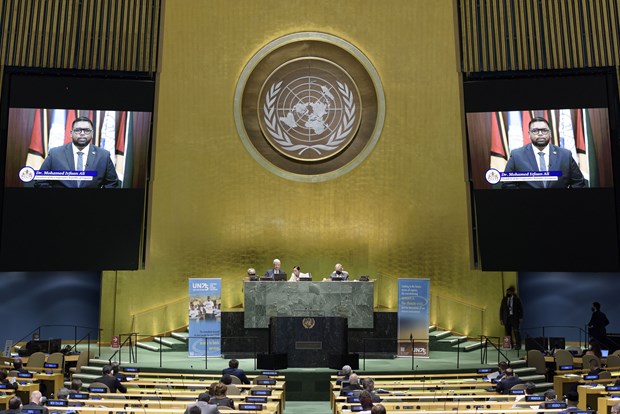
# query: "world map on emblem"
{"points": [[309, 109]]}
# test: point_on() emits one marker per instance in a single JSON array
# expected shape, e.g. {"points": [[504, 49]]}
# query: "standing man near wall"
{"points": [[511, 315]]}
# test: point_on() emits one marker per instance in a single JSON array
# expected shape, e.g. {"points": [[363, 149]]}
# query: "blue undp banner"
{"points": [[413, 310], [205, 317]]}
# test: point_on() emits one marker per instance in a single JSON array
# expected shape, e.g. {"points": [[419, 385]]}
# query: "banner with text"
{"points": [[205, 317], [413, 317]]}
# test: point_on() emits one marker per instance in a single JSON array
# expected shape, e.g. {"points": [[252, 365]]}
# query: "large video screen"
{"points": [[37, 135], [75, 151], [579, 148], [542, 148]]}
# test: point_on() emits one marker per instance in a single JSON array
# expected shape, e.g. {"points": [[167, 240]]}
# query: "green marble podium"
{"points": [[351, 300]]}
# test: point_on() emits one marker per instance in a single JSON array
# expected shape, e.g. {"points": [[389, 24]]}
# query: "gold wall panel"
{"points": [[214, 211], [108, 35], [503, 35]]}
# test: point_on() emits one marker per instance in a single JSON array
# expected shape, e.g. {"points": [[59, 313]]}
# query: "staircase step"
{"points": [[470, 346], [98, 362], [523, 371], [519, 364], [181, 336], [86, 378], [436, 335], [153, 346], [532, 378], [448, 343], [544, 386], [172, 344], [432, 328], [90, 369]]}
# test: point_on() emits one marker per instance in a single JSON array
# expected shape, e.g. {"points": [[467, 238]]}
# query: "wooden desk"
{"points": [[184, 376], [498, 411], [24, 391], [588, 396], [53, 382], [604, 404], [564, 383], [106, 410], [4, 401], [110, 402], [428, 395]]}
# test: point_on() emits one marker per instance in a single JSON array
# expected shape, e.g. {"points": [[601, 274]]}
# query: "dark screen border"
{"points": [[579, 227], [38, 226]]}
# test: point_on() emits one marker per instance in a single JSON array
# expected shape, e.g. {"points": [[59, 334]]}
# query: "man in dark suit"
{"points": [[233, 369], [353, 385], [509, 381], [110, 380], [511, 314], [14, 405], [4, 380], [79, 155], [541, 156], [276, 273], [35, 402], [19, 366], [597, 325]]}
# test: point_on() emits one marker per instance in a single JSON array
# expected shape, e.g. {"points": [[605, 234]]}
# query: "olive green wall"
{"points": [[214, 211]]}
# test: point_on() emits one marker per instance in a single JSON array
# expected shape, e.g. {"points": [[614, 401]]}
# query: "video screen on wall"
{"points": [[541, 153], [39, 134], [579, 153], [75, 152]]}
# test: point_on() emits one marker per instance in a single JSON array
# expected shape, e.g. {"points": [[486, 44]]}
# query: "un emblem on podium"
{"points": [[308, 323], [309, 107]]}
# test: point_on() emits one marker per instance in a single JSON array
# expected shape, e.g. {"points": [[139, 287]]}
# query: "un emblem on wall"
{"points": [[309, 107]]}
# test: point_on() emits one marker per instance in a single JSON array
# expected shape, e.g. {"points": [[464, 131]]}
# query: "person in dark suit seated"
{"points": [[276, 273], [251, 275], [572, 399], [15, 405], [35, 402], [540, 155], [202, 403], [346, 372], [19, 366], [338, 273], [194, 410], [509, 381], [110, 380], [5, 381], [63, 393], [369, 385], [76, 386], [595, 367], [80, 155], [354, 384], [233, 369], [366, 402], [550, 397], [116, 371], [219, 397], [378, 409]]}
